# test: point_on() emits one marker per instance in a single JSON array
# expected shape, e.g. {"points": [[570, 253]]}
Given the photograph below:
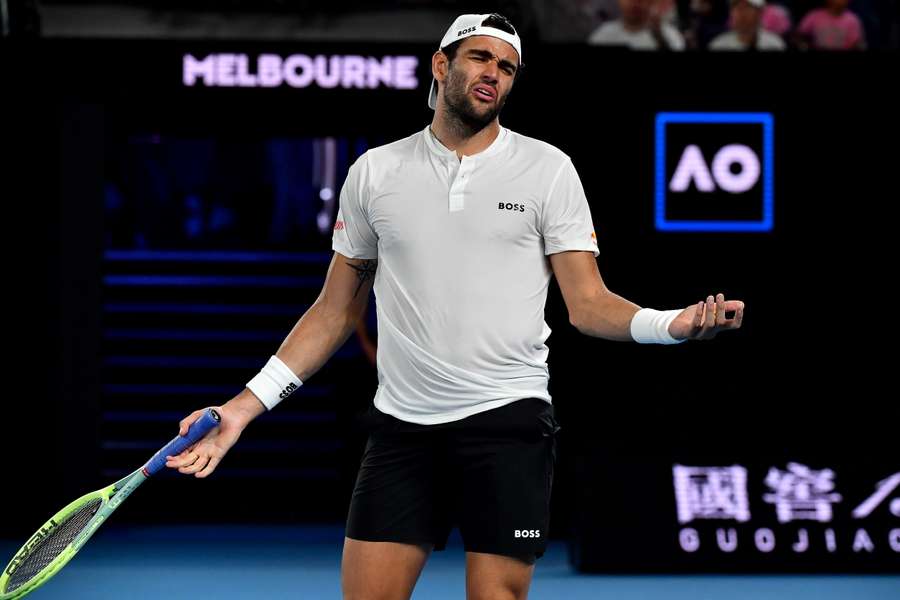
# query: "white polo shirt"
{"points": [[462, 269]]}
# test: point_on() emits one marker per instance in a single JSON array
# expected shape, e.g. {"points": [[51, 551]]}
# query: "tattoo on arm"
{"points": [[364, 271]]}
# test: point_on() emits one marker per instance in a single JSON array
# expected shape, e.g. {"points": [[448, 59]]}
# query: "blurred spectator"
{"points": [[668, 11], [605, 10], [777, 19], [746, 33], [573, 20], [704, 20], [833, 27], [642, 27]]}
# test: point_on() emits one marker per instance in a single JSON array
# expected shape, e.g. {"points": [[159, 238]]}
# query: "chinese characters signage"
{"points": [[801, 507]]}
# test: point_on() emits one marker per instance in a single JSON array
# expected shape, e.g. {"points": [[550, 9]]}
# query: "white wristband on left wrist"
{"points": [[649, 326]]}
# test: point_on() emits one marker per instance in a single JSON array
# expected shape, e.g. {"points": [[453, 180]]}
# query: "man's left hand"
{"points": [[702, 321]]}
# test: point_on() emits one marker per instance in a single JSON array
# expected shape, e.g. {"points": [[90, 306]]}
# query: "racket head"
{"points": [[63, 535], [56, 542]]}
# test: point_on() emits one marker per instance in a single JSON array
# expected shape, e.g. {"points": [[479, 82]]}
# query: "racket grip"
{"points": [[195, 433]]}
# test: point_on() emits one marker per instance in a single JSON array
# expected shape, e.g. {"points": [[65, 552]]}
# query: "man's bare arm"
{"points": [[331, 319], [596, 311], [593, 309], [325, 326]]}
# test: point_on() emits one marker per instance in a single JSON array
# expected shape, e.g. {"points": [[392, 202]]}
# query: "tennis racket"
{"points": [[60, 538]]}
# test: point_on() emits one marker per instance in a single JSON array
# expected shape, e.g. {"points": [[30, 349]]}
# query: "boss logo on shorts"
{"points": [[527, 533], [512, 207]]}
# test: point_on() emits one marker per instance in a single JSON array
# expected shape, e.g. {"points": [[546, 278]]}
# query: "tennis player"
{"points": [[459, 227]]}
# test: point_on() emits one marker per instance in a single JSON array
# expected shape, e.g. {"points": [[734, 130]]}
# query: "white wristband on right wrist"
{"points": [[274, 383], [650, 326]]}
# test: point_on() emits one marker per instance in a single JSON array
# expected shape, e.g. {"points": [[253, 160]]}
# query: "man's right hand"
{"points": [[202, 458]]}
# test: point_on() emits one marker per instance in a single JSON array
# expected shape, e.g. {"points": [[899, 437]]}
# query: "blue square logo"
{"points": [[714, 172]]}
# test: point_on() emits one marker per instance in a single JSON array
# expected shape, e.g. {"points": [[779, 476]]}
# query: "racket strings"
{"points": [[51, 545]]}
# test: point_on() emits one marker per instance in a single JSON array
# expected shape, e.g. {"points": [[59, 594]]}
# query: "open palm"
{"points": [[704, 320]]}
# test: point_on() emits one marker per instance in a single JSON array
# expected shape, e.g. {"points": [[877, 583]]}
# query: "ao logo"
{"points": [[714, 172], [693, 168]]}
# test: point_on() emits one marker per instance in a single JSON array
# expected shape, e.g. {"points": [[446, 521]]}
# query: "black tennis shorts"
{"points": [[490, 474]]}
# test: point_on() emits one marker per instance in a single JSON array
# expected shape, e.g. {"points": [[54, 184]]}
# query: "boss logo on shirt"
{"points": [[527, 533], [512, 207]]}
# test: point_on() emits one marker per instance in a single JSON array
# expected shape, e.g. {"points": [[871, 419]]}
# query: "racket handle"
{"points": [[195, 433]]}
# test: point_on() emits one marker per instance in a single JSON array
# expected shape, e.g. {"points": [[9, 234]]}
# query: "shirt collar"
{"points": [[436, 147]]}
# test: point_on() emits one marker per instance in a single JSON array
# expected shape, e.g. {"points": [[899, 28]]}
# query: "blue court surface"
{"points": [[252, 562]]}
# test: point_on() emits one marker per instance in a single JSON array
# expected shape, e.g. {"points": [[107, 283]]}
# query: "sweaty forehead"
{"points": [[496, 46]]}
